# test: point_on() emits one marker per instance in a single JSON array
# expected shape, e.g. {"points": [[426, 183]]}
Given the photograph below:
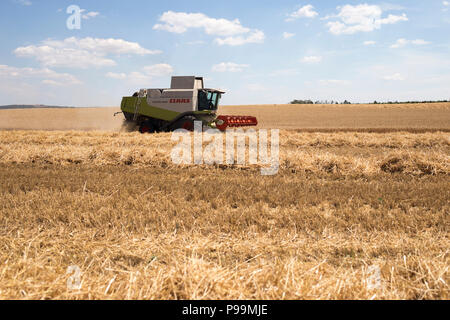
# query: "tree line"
{"points": [[375, 102]]}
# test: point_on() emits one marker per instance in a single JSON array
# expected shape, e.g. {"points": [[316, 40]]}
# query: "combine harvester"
{"points": [[160, 110]]}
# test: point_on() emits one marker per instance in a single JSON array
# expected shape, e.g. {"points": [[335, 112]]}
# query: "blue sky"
{"points": [[260, 52]]}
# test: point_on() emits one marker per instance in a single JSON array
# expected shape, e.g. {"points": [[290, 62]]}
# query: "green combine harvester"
{"points": [[161, 110]]}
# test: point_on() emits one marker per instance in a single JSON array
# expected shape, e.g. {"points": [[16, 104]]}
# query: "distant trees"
{"points": [[301, 102], [407, 102], [308, 101], [325, 102]]}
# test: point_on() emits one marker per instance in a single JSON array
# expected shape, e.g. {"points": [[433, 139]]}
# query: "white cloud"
{"points": [[180, 22], [24, 2], [85, 14], [334, 82], [304, 12], [103, 46], [157, 70], [254, 37], [287, 35], [403, 42], [361, 18], [229, 67], [369, 43], [400, 43], [394, 77], [54, 83], [81, 53], [148, 74], [311, 59], [196, 42], [118, 76], [47, 76], [139, 78], [88, 15], [229, 32], [420, 42], [64, 57], [385, 6], [446, 3]]}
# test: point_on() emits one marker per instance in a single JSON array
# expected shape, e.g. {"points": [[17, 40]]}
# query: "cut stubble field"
{"points": [[350, 215]]}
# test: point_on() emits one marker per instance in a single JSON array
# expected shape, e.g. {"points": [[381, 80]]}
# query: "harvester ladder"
{"points": [[137, 104]]}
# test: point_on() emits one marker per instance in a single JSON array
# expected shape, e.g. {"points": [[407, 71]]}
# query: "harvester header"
{"points": [[186, 101]]}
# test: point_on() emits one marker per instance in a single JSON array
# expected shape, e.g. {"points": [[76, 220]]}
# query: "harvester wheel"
{"points": [[146, 127], [185, 123], [188, 124]]}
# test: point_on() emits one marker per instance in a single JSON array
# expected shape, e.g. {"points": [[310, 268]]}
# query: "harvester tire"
{"points": [[188, 124], [146, 127], [184, 123]]}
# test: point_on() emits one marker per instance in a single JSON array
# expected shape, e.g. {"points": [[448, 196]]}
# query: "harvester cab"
{"points": [[208, 99], [186, 101]]}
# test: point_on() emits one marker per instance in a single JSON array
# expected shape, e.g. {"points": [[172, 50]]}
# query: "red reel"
{"points": [[223, 122]]}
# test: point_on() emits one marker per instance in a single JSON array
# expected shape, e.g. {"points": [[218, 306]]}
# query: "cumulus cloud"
{"points": [[88, 15], [255, 36], [47, 76], [146, 76], [180, 22], [229, 67], [400, 43], [117, 76], [103, 46], [157, 70], [394, 77], [81, 53], [311, 59], [287, 35], [361, 18], [304, 12], [64, 57], [228, 32], [420, 42], [369, 43]]}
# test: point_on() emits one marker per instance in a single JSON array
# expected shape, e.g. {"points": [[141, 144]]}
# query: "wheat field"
{"points": [[350, 215], [313, 118]]}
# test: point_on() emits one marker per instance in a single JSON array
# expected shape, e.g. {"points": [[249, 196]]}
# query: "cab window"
{"points": [[208, 100]]}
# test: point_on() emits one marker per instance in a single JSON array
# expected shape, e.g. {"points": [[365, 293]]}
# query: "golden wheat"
{"points": [[381, 118]]}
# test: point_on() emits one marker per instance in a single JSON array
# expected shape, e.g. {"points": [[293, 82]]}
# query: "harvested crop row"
{"points": [[341, 153]]}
